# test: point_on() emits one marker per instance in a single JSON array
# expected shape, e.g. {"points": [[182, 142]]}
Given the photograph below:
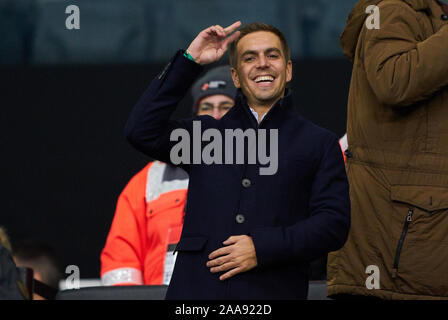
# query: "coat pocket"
{"points": [[191, 244], [421, 248], [428, 198]]}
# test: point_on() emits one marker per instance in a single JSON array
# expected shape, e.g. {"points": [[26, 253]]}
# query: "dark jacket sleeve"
{"points": [[149, 127], [328, 224]]}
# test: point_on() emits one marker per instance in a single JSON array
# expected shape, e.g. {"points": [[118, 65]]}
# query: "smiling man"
{"points": [[264, 69], [252, 236]]}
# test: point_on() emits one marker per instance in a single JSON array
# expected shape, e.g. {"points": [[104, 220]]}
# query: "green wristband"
{"points": [[187, 55]]}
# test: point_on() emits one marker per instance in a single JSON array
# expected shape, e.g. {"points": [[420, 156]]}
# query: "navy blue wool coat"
{"points": [[294, 216]]}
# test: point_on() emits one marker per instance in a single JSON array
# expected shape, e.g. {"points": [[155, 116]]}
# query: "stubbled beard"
{"points": [[271, 99]]}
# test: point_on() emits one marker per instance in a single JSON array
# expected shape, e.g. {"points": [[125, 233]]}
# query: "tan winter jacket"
{"points": [[397, 162]]}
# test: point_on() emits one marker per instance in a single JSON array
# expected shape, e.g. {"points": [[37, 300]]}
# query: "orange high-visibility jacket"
{"points": [[146, 227], [344, 144]]}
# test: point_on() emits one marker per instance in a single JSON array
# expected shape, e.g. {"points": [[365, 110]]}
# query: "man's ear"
{"points": [[289, 71], [236, 80]]}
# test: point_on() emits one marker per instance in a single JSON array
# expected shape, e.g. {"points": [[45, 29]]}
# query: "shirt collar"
{"points": [[285, 103], [255, 114]]}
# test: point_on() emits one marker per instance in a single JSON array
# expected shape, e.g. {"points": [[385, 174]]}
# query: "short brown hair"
{"points": [[254, 27]]}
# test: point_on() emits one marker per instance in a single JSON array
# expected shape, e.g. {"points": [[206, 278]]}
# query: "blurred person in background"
{"points": [[11, 285], [397, 157], [149, 214], [42, 259]]}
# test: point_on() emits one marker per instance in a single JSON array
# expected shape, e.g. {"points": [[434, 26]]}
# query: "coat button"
{"points": [[444, 17], [246, 183], [240, 218]]}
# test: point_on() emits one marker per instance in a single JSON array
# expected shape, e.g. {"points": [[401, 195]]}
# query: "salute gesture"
{"points": [[211, 44]]}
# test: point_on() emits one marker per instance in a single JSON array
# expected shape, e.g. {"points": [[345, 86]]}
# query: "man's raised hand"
{"points": [[211, 44]]}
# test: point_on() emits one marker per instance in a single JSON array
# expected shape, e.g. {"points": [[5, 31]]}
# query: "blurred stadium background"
{"points": [[65, 96]]}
